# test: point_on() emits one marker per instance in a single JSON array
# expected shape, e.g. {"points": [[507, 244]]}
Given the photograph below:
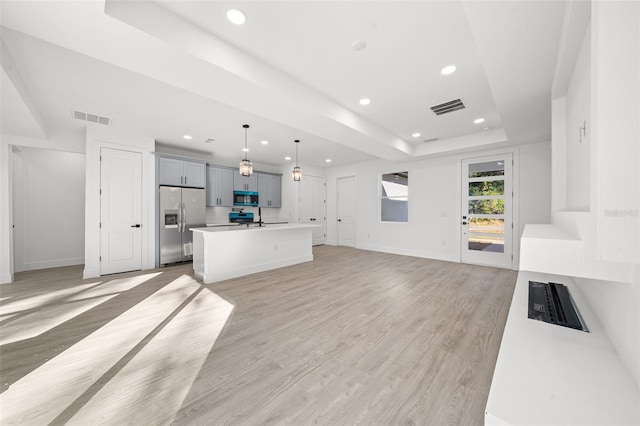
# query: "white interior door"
{"points": [[313, 206], [487, 204], [120, 211], [346, 211]]}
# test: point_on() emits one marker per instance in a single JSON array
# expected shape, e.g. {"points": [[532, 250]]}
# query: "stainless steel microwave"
{"points": [[245, 198]]}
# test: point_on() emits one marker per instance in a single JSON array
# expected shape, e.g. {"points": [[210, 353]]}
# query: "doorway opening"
{"points": [[487, 211]]}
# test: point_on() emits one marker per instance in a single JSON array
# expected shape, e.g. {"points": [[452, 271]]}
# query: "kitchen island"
{"points": [[224, 252]]}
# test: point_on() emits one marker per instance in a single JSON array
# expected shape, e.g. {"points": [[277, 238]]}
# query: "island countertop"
{"points": [[255, 227]]}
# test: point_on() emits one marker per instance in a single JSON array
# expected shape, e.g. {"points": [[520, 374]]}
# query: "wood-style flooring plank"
{"points": [[354, 337]]}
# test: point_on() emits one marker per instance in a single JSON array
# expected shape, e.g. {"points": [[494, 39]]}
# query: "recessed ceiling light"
{"points": [[245, 149], [287, 158], [478, 120], [358, 45], [187, 137], [236, 16], [449, 69], [328, 160], [264, 142], [416, 135], [210, 140], [365, 101]]}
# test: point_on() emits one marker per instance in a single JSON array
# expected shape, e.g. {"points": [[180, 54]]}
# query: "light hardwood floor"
{"points": [[354, 337]]}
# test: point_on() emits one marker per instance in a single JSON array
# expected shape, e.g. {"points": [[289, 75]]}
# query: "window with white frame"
{"points": [[394, 197]]}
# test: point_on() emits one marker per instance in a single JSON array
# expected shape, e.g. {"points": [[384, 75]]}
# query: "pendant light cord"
{"points": [[246, 126]]}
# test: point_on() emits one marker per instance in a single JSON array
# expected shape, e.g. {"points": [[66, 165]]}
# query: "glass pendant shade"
{"points": [[246, 166], [297, 174], [297, 171]]}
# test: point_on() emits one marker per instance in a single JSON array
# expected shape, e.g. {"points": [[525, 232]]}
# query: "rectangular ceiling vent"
{"points": [[447, 107], [92, 118]]}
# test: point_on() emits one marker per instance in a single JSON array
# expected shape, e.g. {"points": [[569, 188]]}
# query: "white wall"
{"points": [[617, 305], [605, 87], [535, 185], [615, 184], [48, 209], [615, 98], [578, 142], [433, 230]]}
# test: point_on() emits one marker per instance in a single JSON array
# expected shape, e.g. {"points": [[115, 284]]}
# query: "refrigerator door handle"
{"points": [[184, 217], [179, 219]]}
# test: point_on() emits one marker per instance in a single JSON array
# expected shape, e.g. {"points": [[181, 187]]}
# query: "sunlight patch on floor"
{"points": [[33, 302], [46, 318], [151, 388], [155, 380]]}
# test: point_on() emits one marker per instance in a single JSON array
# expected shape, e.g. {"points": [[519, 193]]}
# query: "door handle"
{"points": [[136, 226], [464, 223], [339, 220]]}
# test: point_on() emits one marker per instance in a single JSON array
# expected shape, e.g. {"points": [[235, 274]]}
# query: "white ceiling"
{"points": [[170, 68]]}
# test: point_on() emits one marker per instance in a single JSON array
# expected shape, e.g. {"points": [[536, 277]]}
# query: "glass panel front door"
{"points": [[486, 211]]}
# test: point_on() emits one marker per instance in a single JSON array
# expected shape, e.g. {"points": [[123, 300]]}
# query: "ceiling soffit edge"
{"points": [[12, 72], [479, 141], [260, 88]]}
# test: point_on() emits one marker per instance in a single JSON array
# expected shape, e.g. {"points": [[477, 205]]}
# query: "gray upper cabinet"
{"points": [[269, 190], [245, 183], [176, 172], [194, 174], [170, 171], [219, 187]]}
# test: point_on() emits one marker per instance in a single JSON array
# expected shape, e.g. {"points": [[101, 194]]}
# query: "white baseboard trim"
{"points": [[90, 273], [6, 278], [55, 263], [447, 257]]}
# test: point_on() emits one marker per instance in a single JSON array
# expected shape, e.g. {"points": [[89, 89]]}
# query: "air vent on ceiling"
{"points": [[92, 118], [447, 107], [430, 140]]}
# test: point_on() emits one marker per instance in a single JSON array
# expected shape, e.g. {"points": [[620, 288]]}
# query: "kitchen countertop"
{"points": [[254, 227], [264, 222]]}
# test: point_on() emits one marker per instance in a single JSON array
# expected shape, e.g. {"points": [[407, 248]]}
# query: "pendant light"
{"points": [[297, 171], [246, 166]]}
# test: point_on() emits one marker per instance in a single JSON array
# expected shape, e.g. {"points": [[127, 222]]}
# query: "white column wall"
{"points": [[97, 138], [6, 205], [604, 88]]}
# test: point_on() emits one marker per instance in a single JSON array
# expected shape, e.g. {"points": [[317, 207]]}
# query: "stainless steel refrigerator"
{"points": [[180, 209]]}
